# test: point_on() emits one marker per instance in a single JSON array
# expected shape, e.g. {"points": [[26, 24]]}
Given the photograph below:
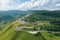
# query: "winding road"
{"points": [[33, 32]]}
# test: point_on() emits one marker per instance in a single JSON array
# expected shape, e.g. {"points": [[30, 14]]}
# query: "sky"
{"points": [[29, 4]]}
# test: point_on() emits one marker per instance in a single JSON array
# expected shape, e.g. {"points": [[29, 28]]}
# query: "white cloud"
{"points": [[25, 5], [4, 1], [57, 5], [3, 4], [43, 2], [30, 4]]}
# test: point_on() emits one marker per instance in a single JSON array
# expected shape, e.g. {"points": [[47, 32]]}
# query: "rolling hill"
{"points": [[9, 33], [47, 19]]}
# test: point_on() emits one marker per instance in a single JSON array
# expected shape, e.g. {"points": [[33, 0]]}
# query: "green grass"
{"points": [[9, 33], [50, 36]]}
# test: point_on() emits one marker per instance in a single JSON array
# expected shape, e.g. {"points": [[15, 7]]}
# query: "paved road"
{"points": [[18, 29], [23, 22]]}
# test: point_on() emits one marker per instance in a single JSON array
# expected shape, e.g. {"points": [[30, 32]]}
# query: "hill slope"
{"points": [[49, 20], [9, 32]]}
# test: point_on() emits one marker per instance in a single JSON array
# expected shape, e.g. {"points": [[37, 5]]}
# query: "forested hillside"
{"points": [[50, 19], [44, 15], [38, 19]]}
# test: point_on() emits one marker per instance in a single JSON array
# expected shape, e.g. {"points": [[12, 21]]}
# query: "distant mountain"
{"points": [[12, 15]]}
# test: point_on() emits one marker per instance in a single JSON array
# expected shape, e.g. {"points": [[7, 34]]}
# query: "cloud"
{"points": [[57, 5], [32, 4], [3, 4], [4, 1], [38, 4], [29, 4]]}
